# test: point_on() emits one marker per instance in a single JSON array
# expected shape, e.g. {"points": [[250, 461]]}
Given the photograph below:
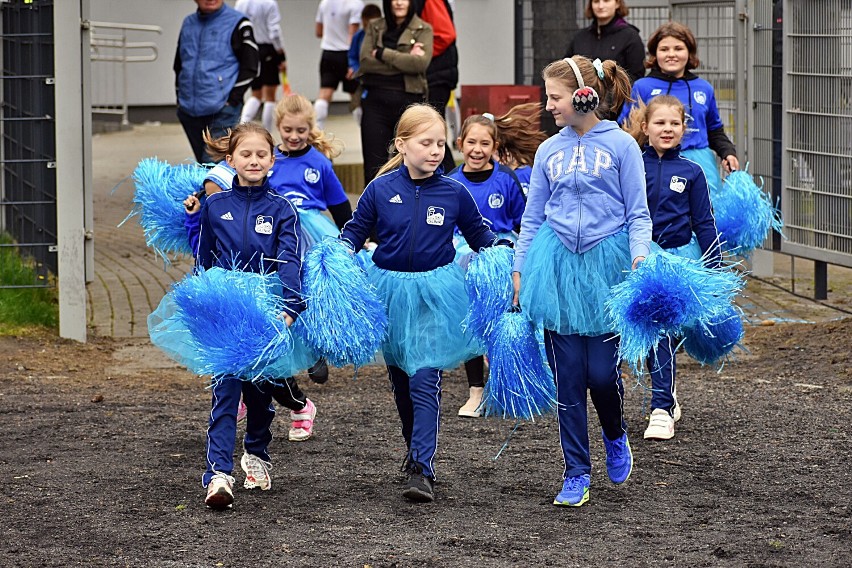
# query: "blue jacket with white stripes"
{"points": [[679, 203], [258, 230], [414, 221]]}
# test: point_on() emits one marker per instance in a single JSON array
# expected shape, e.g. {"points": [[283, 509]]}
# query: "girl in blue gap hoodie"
{"points": [[585, 226], [414, 209], [673, 55], [683, 224]]}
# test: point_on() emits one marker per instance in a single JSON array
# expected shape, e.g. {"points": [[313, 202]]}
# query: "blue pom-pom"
{"points": [[158, 201], [519, 385], [232, 318], [345, 321], [744, 214], [489, 288], [710, 342], [665, 295]]}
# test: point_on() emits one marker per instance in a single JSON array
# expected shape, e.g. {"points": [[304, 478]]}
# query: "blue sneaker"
{"points": [[575, 491], [619, 458]]}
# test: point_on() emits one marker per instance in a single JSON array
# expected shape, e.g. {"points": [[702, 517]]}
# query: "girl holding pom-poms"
{"points": [[683, 224], [258, 230], [413, 210], [585, 226]]}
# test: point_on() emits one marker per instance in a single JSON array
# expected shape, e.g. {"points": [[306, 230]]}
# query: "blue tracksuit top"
{"points": [[308, 181], [679, 202], [499, 198], [696, 95], [414, 221], [258, 228], [209, 67], [587, 188]]}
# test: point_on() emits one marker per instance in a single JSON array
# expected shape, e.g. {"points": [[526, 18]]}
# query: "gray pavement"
{"points": [[130, 279]]}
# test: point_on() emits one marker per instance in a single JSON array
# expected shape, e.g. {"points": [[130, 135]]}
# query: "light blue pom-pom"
{"points": [[345, 321], [232, 318], [711, 342], [519, 385], [744, 214], [158, 202], [489, 288], [665, 295]]}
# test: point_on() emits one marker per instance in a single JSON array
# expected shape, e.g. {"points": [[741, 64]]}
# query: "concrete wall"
{"points": [[485, 29]]}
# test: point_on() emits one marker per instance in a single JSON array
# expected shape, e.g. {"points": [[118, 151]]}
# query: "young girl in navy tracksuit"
{"points": [[414, 210], [585, 226], [673, 55], [497, 192], [683, 224], [259, 229]]}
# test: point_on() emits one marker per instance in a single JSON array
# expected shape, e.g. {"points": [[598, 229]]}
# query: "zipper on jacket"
{"points": [[414, 227], [579, 199], [245, 222]]}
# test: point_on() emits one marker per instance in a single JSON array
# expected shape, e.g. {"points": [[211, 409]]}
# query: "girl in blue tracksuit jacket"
{"points": [[259, 229], [497, 192], [683, 224], [585, 226], [673, 54], [414, 209]]}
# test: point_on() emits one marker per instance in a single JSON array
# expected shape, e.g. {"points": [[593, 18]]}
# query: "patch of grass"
{"points": [[22, 309]]}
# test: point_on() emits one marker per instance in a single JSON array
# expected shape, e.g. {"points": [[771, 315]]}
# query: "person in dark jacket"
{"points": [[683, 224], [215, 62], [414, 209], [610, 36], [442, 75]]}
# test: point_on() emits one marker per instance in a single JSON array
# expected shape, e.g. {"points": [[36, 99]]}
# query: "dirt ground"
{"points": [[102, 454]]}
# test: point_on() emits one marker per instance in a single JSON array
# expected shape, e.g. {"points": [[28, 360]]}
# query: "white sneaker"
{"points": [[302, 427], [257, 472], [471, 407], [660, 426], [219, 492]]}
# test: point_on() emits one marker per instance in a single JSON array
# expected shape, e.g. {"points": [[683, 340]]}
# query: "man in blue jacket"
{"points": [[215, 62]]}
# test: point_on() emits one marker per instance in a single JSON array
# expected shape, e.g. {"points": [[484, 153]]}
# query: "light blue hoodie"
{"points": [[587, 188]]}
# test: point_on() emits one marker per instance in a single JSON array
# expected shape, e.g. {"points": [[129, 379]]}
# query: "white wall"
{"points": [[485, 29]]}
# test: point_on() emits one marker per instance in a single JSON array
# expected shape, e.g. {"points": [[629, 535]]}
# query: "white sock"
{"points": [[268, 116], [357, 114], [250, 109], [321, 110]]}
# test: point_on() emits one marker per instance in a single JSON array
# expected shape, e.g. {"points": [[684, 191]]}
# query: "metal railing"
{"points": [[110, 46]]}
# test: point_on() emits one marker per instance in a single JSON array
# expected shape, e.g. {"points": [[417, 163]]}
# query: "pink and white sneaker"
{"points": [[302, 427], [241, 412]]}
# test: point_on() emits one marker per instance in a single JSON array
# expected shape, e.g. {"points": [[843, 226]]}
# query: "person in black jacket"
{"points": [[610, 37]]}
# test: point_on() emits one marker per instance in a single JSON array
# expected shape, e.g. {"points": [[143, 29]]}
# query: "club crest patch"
{"points": [[312, 175], [700, 97], [677, 184], [263, 225], [495, 201], [435, 215]]}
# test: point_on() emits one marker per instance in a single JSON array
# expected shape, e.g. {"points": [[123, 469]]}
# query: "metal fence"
{"points": [[28, 189]]}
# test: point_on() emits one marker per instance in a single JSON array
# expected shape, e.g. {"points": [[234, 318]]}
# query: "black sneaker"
{"points": [[419, 488], [319, 372]]}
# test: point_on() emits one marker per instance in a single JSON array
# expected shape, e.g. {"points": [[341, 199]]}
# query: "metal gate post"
{"points": [[69, 52]]}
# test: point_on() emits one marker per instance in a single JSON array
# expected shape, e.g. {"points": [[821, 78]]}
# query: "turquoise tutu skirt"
{"points": [[705, 158], [316, 226], [464, 253], [564, 291], [172, 336], [425, 314], [691, 250]]}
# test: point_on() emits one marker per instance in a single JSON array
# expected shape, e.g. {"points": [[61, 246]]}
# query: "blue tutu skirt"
{"points": [[690, 250], [705, 158], [565, 291], [464, 254], [425, 314], [171, 335], [315, 227]]}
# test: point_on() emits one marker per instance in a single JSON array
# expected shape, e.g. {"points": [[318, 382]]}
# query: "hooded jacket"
{"points": [[587, 188], [679, 203], [704, 127], [618, 40]]}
